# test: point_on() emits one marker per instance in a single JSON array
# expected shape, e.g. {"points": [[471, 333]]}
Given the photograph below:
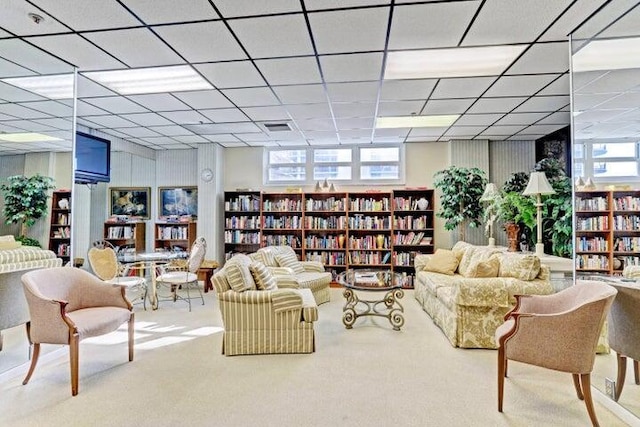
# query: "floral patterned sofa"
{"points": [[469, 309]]}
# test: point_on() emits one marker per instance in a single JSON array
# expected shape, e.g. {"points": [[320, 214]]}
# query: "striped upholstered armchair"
{"points": [[260, 314]]}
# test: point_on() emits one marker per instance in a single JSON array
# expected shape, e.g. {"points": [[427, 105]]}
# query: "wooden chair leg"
{"points": [[622, 373], [34, 362], [131, 330], [501, 374], [585, 380], [636, 371], [578, 386], [74, 354]]}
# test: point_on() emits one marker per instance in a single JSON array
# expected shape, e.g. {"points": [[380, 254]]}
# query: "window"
{"points": [[353, 165], [610, 161]]}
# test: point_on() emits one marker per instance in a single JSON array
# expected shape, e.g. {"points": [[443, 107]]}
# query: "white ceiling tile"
{"points": [[9, 69], [356, 30], [272, 36], [252, 137], [519, 85], [337, 4], [478, 119], [614, 81], [399, 108], [502, 130], [464, 87], [77, 51], [507, 21], [294, 143], [364, 134], [495, 105], [543, 58], [190, 139], [603, 18], [521, 118], [430, 25], [542, 129], [89, 15], [559, 87], [202, 42], [525, 137], [316, 125], [172, 130], [233, 8], [176, 147], [388, 140], [353, 109], [422, 139], [28, 125], [231, 74], [309, 111], [222, 115], [110, 121], [138, 132], [301, 94], [447, 106], [407, 89], [14, 94], [543, 103], [397, 132], [626, 26], [216, 128], [432, 131], [137, 47], [165, 11], [578, 12], [184, 117], [559, 118], [85, 109], [51, 107], [324, 142], [146, 119], [22, 112], [87, 88], [354, 67], [203, 99], [221, 138], [266, 113], [31, 57], [583, 102], [624, 100], [251, 97], [63, 124], [116, 105], [355, 123], [353, 92], [15, 18], [290, 71], [322, 135], [261, 144], [464, 131]]}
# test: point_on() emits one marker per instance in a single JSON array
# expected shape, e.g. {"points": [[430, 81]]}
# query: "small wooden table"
{"points": [[205, 272]]}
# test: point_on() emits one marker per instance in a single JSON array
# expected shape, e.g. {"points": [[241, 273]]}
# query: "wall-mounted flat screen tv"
{"points": [[93, 159]]}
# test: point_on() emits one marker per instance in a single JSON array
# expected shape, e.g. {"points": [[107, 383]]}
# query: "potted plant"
{"points": [[25, 201], [558, 209], [460, 203]]}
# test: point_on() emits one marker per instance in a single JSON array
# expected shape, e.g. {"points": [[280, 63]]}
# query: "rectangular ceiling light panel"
{"points": [[615, 54], [415, 121], [454, 62], [59, 86], [150, 80], [27, 137]]}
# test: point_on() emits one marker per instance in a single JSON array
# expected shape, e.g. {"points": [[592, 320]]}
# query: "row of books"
{"points": [[333, 204], [282, 239], [245, 203], [627, 203], [282, 222], [626, 222], [592, 244], [327, 258], [282, 205], [121, 232], [594, 223], [369, 204], [240, 237], [172, 233], [242, 222], [324, 223], [361, 222], [592, 262], [592, 204], [369, 258], [627, 244]]}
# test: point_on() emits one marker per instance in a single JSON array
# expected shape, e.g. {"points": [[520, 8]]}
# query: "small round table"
{"points": [[372, 281]]}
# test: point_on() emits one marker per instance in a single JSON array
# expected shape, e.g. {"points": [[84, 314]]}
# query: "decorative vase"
{"points": [[380, 241], [589, 184], [423, 204], [513, 230], [341, 241], [318, 188], [63, 203]]}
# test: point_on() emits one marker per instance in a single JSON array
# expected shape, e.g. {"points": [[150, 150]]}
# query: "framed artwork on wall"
{"points": [[133, 201], [178, 201]]}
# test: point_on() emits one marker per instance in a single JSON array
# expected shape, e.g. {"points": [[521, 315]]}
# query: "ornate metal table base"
{"points": [[388, 307]]}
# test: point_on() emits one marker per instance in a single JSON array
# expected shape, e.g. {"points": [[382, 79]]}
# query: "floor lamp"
{"points": [[538, 186], [490, 194]]}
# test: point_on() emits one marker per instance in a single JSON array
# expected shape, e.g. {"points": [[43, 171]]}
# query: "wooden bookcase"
{"points": [[282, 220], [175, 236], [242, 222], [60, 230], [126, 235], [369, 230], [607, 230]]}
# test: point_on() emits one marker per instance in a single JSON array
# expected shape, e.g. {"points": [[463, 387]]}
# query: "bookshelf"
{"points": [[282, 220], [175, 236], [625, 214], [126, 235], [60, 227], [369, 230], [242, 222]]}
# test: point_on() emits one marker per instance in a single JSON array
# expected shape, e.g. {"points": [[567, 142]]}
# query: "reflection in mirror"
{"points": [[606, 134], [36, 137]]}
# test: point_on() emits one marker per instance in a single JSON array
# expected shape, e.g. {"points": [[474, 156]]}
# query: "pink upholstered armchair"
{"points": [[67, 305], [558, 331]]}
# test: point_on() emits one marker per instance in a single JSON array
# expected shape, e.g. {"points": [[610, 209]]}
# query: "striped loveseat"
{"points": [[279, 320]]}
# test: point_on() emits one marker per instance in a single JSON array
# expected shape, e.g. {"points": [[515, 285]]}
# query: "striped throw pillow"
{"points": [[290, 260], [265, 281], [239, 277]]}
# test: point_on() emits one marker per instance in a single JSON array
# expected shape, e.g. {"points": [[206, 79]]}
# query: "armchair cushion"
{"points": [[290, 260], [264, 279], [488, 268], [443, 261], [239, 277], [285, 300]]}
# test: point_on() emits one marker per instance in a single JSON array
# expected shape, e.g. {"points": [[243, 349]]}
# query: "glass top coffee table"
{"points": [[381, 281]]}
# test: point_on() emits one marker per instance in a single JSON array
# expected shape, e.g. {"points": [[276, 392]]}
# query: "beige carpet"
{"points": [[367, 376]]}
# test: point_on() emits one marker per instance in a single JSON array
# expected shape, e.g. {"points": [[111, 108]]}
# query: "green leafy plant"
{"points": [[25, 200], [460, 203], [517, 182], [558, 210]]}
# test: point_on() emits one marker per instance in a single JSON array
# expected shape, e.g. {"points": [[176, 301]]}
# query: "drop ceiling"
{"points": [[316, 65]]}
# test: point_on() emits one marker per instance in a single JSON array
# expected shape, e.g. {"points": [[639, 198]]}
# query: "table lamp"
{"points": [[538, 186], [489, 196]]}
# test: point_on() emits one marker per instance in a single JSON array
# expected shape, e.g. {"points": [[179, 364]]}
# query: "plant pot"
{"points": [[513, 232]]}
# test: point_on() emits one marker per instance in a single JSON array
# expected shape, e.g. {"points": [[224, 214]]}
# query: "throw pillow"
{"points": [[523, 267], [239, 277], [265, 281], [487, 268], [443, 261], [290, 260]]}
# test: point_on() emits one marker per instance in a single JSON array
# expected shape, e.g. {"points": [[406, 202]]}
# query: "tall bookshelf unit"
{"points": [[60, 230], [126, 235], [242, 222], [282, 220], [369, 230], [175, 236], [607, 231]]}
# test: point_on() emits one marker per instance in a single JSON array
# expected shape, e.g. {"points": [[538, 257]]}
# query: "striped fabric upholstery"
{"points": [[28, 265], [314, 266], [318, 283], [290, 260], [239, 277], [25, 253], [286, 299], [265, 281], [252, 325]]}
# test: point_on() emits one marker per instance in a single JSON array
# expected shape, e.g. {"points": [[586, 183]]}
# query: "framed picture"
{"points": [[133, 201], [178, 201]]}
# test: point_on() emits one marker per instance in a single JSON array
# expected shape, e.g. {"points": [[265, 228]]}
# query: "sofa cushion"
{"points": [[265, 280], [487, 268], [523, 267], [239, 277], [459, 248], [290, 260], [474, 254], [443, 261]]}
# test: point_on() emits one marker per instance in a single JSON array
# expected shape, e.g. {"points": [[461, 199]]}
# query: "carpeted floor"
{"points": [[367, 376]]}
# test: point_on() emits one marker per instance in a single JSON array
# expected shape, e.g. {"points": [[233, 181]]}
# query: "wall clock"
{"points": [[206, 175]]}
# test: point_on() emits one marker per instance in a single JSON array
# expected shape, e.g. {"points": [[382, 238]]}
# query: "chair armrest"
{"points": [[420, 261], [93, 292], [48, 319], [281, 271], [312, 266], [287, 281]]}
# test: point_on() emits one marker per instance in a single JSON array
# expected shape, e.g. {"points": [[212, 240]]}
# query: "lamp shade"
{"points": [[538, 184], [490, 192]]}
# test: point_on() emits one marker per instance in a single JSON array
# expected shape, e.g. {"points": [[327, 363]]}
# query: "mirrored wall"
{"points": [[606, 134]]}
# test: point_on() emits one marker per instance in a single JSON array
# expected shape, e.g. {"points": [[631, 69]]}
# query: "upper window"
{"points": [[611, 161], [352, 165]]}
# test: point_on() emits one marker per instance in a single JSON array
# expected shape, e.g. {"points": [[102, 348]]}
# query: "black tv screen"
{"points": [[93, 159]]}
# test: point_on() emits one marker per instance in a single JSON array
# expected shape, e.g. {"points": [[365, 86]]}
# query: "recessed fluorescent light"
{"points": [[58, 86], [27, 137], [607, 55], [150, 80], [454, 62], [415, 121]]}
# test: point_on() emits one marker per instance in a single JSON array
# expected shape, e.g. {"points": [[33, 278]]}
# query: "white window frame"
{"points": [[588, 161], [355, 163]]}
